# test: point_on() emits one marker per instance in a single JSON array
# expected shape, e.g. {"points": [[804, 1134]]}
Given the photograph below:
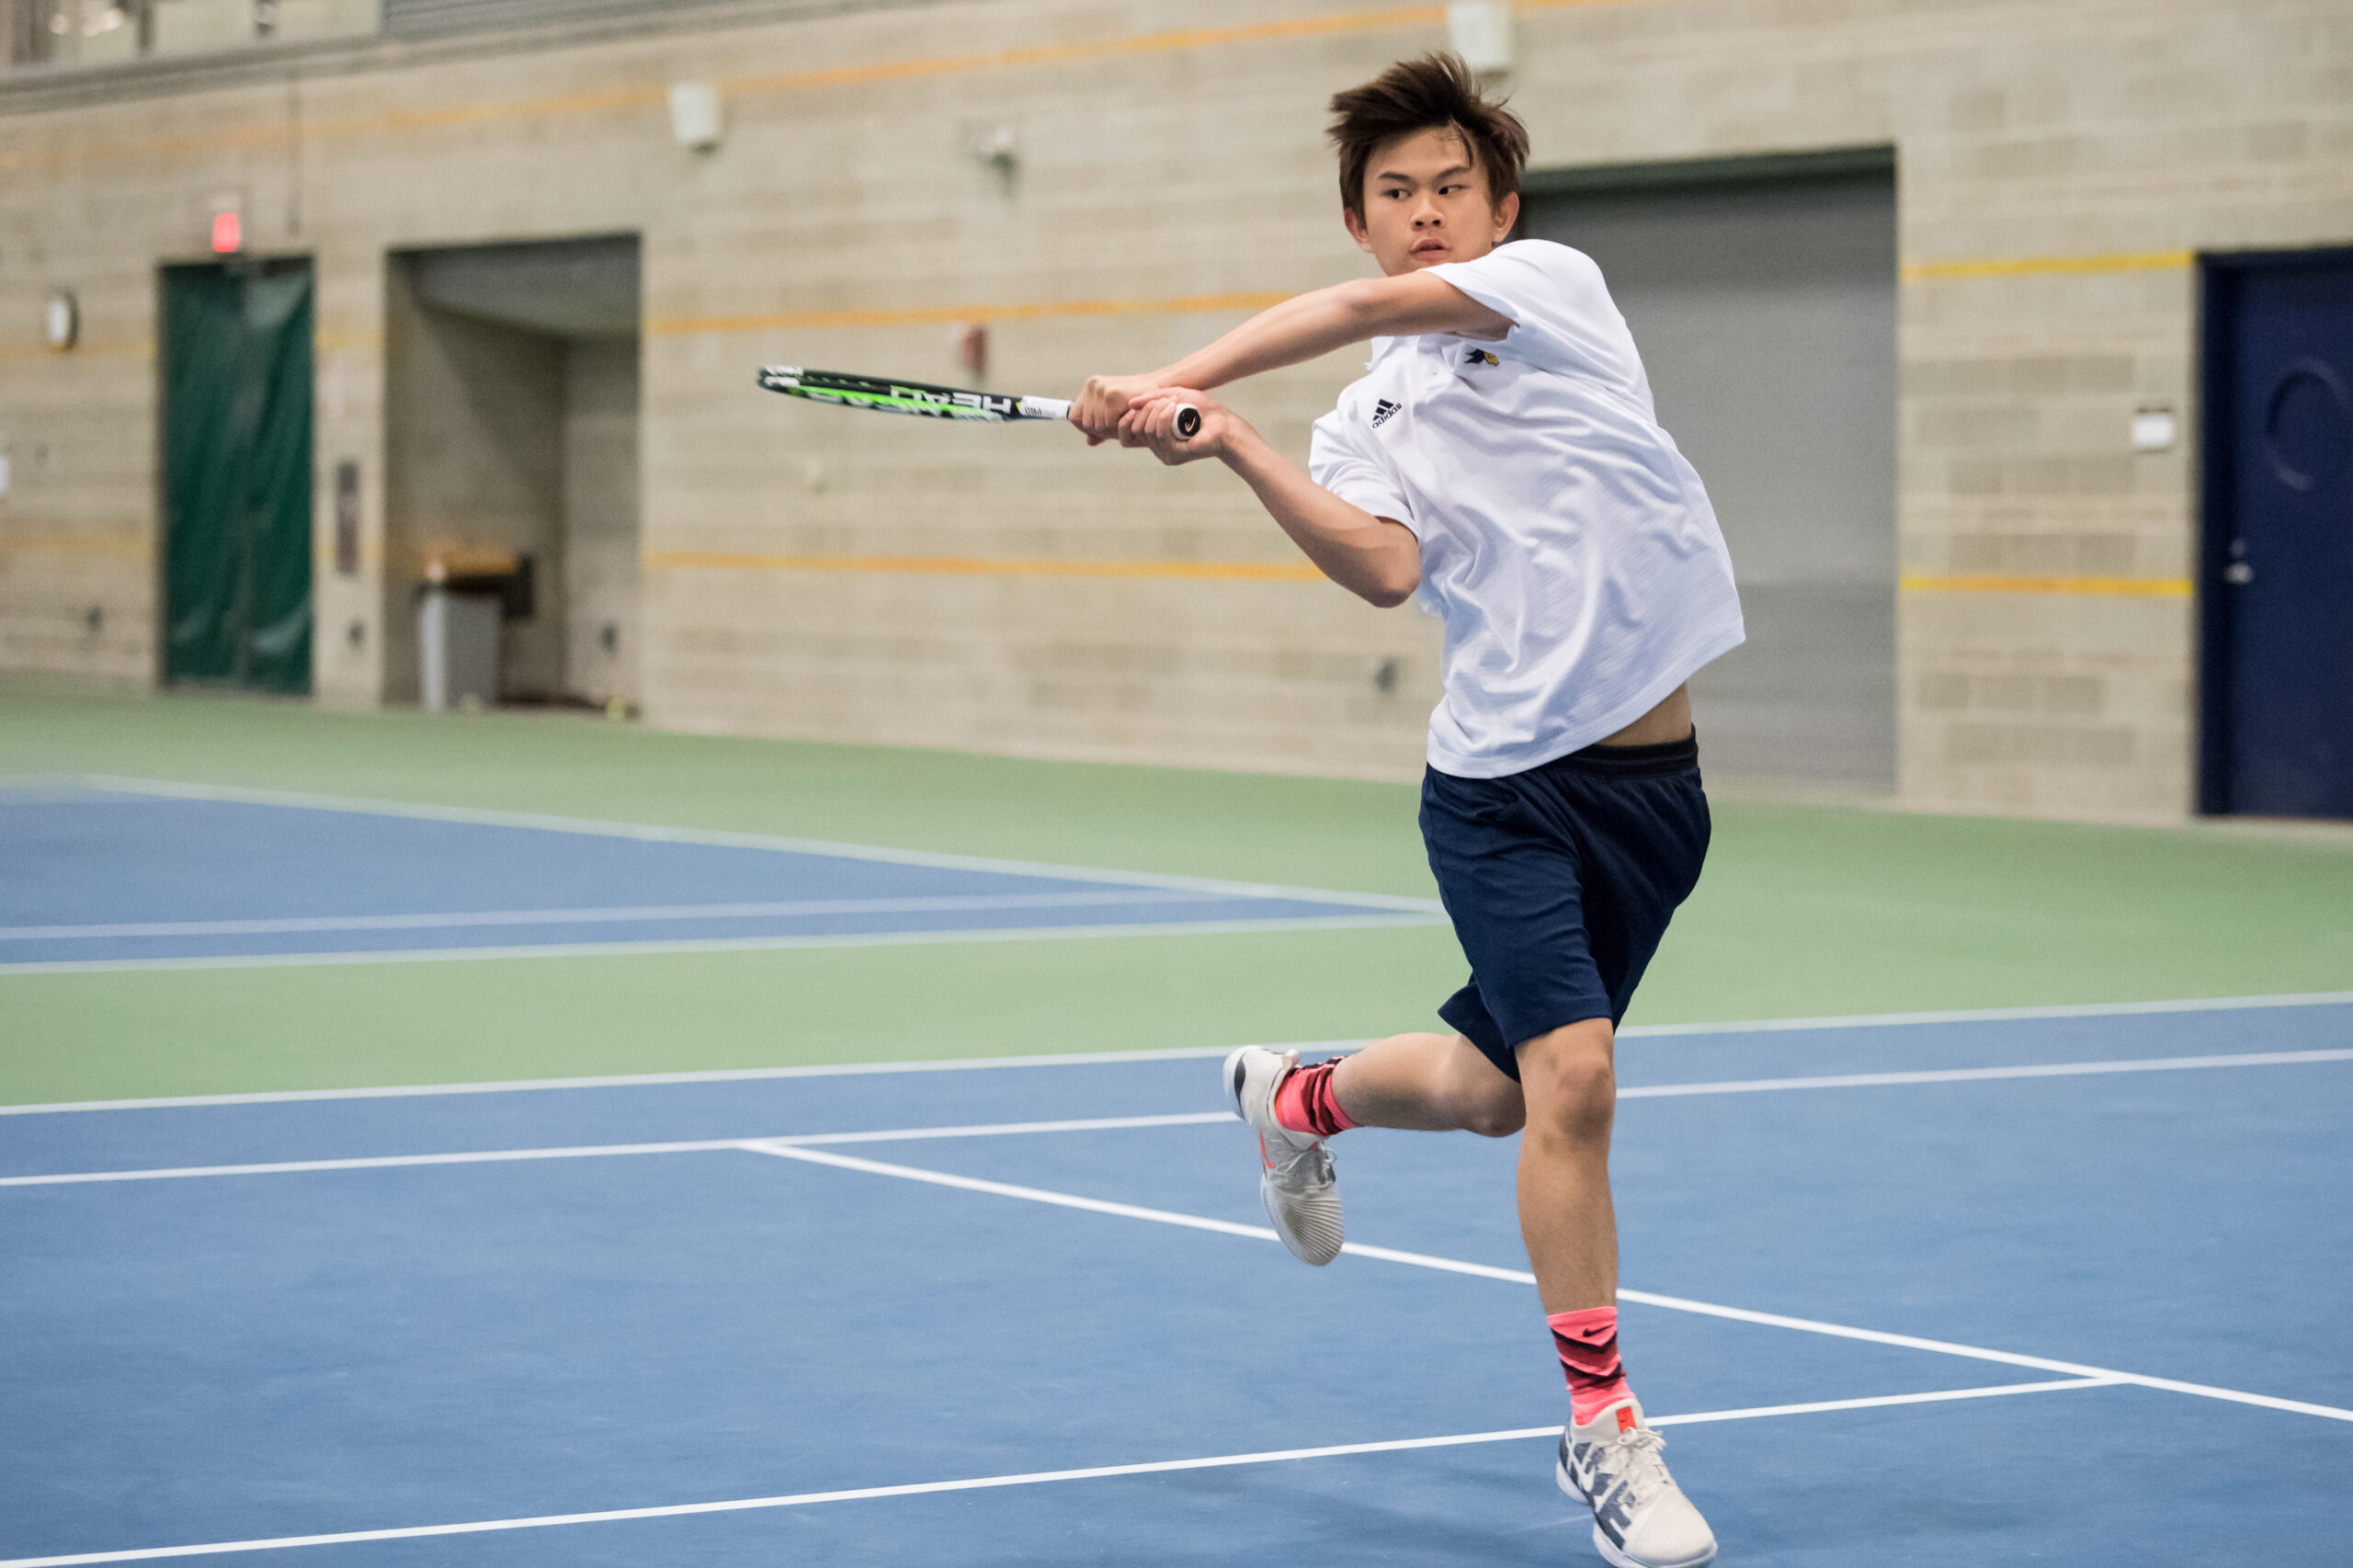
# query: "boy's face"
{"points": [[1425, 201]]}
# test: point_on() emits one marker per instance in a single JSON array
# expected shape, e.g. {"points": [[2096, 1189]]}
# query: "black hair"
{"points": [[1436, 92]]}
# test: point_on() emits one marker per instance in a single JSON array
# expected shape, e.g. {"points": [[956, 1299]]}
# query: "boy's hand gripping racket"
{"points": [[929, 401]]}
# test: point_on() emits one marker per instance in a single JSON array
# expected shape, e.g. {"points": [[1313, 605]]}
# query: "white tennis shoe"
{"points": [[1641, 1518], [1295, 1183]]}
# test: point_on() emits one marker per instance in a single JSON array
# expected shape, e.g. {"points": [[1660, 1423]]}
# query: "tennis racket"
{"points": [[929, 401]]}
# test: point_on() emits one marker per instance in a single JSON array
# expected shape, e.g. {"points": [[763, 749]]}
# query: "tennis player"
{"points": [[1501, 458]]}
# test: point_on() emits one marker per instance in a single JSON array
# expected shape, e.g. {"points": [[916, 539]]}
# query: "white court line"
{"points": [[774, 909], [1006, 1189], [1977, 1353], [1983, 1075], [648, 833], [735, 944], [596, 1150], [1878, 1402], [656, 1080], [1641, 1091], [1105, 1058], [2006, 1014], [1034, 1478], [1521, 1276]]}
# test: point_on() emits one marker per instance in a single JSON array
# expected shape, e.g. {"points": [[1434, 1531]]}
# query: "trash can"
{"points": [[459, 607]]}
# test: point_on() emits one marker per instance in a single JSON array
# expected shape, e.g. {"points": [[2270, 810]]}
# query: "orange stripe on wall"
{"points": [[105, 348], [967, 566], [2025, 266], [1092, 49], [655, 95], [652, 95], [109, 548], [1190, 304], [2102, 587]]}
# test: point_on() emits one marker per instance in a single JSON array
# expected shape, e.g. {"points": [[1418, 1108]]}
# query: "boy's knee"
{"points": [[1569, 1081], [1497, 1116], [1479, 1098]]}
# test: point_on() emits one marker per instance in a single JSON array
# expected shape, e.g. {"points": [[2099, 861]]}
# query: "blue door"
{"points": [[2277, 556]]}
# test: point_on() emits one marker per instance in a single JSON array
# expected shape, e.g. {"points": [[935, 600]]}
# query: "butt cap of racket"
{"points": [[1189, 422]]}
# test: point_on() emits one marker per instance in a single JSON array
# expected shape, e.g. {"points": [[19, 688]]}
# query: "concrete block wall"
{"points": [[809, 571], [600, 578], [351, 663]]}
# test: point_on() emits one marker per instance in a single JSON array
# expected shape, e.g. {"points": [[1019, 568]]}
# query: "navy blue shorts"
{"points": [[1560, 881]]}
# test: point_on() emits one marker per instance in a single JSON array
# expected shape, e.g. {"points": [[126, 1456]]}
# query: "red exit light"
{"points": [[227, 233]]}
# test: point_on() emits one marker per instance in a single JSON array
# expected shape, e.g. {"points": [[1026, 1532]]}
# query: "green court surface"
{"points": [[1805, 910]]}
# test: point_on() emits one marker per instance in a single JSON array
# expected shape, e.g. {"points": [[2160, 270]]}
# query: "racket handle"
{"points": [[1188, 418]]}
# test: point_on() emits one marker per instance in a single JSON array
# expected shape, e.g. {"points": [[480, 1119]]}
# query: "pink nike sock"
{"points": [[1587, 1341], [1304, 1102]]}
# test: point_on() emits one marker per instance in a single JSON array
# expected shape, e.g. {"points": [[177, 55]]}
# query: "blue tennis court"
{"points": [[2020, 1289], [136, 874]]}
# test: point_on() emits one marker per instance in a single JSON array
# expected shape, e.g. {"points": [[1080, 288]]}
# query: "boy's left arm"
{"points": [[1304, 328]]}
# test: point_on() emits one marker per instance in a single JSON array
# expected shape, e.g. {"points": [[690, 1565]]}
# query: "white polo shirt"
{"points": [[1568, 545]]}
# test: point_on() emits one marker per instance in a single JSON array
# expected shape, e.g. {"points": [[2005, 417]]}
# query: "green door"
{"points": [[237, 475]]}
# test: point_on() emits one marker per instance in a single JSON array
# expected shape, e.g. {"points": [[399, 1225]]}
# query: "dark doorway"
{"points": [[511, 428], [2276, 582], [1761, 292], [237, 368]]}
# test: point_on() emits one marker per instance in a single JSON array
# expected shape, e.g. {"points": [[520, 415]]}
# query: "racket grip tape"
{"points": [[1188, 418]]}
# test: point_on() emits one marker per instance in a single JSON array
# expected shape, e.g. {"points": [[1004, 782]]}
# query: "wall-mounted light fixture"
{"points": [[694, 115], [1001, 150], [996, 148], [2155, 429], [1481, 33], [60, 320]]}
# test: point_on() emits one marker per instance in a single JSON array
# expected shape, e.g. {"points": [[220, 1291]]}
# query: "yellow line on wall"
{"points": [[2033, 266], [1190, 304], [2098, 587], [108, 548], [967, 566], [653, 95], [1092, 49], [1100, 49], [104, 349]]}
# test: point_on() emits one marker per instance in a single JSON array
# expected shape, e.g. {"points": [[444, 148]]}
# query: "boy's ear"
{"points": [[1357, 230], [1507, 216]]}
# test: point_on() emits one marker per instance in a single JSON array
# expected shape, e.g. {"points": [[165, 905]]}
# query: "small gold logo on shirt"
{"points": [[1481, 357]]}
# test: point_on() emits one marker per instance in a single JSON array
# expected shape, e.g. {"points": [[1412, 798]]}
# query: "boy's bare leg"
{"points": [[1566, 1097], [1427, 1082], [1565, 1210]]}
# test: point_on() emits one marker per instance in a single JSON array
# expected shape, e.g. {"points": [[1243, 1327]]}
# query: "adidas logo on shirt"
{"points": [[1481, 357], [1382, 410]]}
